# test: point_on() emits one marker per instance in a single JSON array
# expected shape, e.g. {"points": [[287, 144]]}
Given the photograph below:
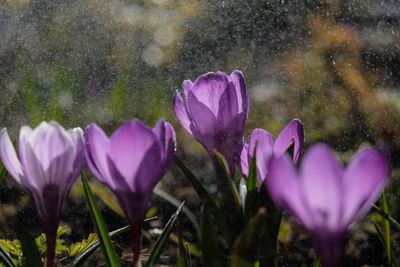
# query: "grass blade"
{"points": [[197, 186], [244, 252], [386, 228], [5, 258], [29, 248], [175, 202], [209, 240], [84, 255], [163, 238], [252, 204], [203, 195], [110, 256], [387, 217], [232, 210]]}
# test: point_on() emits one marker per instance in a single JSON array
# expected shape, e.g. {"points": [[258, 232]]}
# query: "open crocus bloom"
{"points": [[131, 163], [49, 162], [214, 110], [264, 145], [326, 198]]}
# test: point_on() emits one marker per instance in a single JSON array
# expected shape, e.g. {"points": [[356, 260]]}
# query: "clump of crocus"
{"points": [[263, 144], [131, 163], [325, 197], [49, 162], [214, 109]]}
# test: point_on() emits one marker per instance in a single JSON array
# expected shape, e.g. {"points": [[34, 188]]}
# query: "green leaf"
{"points": [[2, 172], [78, 247], [88, 251], [204, 195], [197, 186], [384, 215], [163, 238], [175, 202], [5, 258], [252, 179], [184, 259], [224, 177], [252, 203], [231, 207], [386, 228], [110, 256], [244, 253], [29, 249], [382, 239], [209, 240]]}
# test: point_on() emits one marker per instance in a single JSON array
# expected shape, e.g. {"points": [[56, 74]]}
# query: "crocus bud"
{"points": [[214, 111], [131, 163], [49, 162], [262, 143], [326, 198]]}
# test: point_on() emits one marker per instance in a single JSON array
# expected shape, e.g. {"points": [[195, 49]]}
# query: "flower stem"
{"points": [[136, 234], [51, 238]]}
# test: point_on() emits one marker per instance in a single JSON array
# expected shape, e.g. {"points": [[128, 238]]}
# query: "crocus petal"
{"points": [[228, 106], [61, 169], [244, 160], [208, 89], [204, 124], [49, 135], [239, 83], [181, 112], [364, 179], [322, 181], [292, 133], [129, 146], [24, 134], [78, 139], [186, 87], [286, 190], [33, 170], [263, 142], [147, 176], [166, 134], [170, 144], [9, 156], [97, 144]]}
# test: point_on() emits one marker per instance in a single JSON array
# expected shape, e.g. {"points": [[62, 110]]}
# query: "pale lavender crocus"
{"points": [[131, 163], [214, 110], [326, 198], [49, 162], [264, 145]]}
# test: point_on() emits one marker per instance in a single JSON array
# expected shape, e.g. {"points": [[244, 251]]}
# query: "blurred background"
{"points": [[332, 63]]}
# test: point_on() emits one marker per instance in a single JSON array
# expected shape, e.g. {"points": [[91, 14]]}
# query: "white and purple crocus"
{"points": [[214, 109], [326, 198], [262, 143], [49, 162], [131, 163]]}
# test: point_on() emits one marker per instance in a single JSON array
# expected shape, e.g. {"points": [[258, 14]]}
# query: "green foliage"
{"points": [[78, 247], [212, 255], [14, 248], [110, 255], [31, 255], [162, 239]]}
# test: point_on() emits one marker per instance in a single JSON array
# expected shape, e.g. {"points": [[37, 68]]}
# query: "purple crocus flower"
{"points": [[49, 162], [214, 109], [131, 163], [267, 147], [325, 197]]}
